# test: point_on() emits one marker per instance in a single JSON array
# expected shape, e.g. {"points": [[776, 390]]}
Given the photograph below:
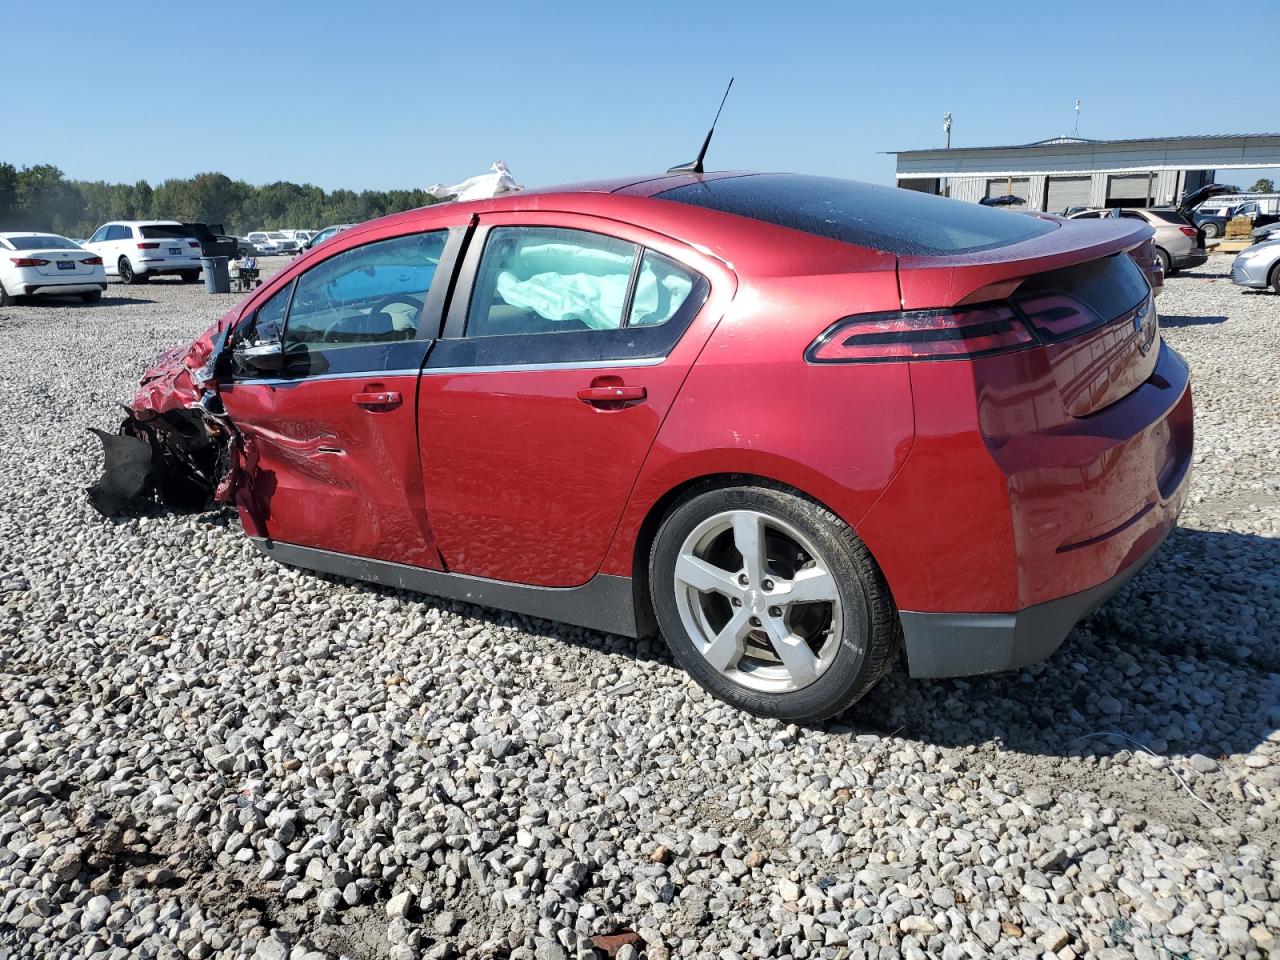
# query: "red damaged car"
{"points": [[793, 423]]}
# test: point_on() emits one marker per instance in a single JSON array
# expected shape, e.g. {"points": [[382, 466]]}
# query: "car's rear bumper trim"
{"points": [[57, 289], [965, 644]]}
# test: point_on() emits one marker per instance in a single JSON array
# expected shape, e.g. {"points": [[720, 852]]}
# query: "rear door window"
{"points": [[554, 295], [549, 280]]}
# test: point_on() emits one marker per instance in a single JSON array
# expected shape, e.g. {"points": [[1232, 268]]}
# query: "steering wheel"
{"points": [[361, 326], [396, 298]]}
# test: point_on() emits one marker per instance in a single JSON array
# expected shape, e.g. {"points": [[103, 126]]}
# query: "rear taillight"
{"points": [[1191, 232], [922, 335], [192, 243], [148, 246], [92, 261], [28, 262]]}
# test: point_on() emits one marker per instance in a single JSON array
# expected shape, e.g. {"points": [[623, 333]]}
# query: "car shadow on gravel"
{"points": [[1173, 320], [1180, 661]]}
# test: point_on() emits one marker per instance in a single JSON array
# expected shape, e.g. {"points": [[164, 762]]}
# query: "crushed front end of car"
{"points": [[176, 444]]}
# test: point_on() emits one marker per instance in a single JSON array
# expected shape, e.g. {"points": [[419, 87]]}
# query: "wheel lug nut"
{"points": [[768, 584], [775, 611], [737, 602], [755, 621], [742, 579]]}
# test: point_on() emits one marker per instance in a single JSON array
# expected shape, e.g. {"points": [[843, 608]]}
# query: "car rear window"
{"points": [[883, 218], [43, 241], [1170, 216], [158, 231]]}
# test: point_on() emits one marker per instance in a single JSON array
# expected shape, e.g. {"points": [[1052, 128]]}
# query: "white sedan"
{"points": [[45, 264]]}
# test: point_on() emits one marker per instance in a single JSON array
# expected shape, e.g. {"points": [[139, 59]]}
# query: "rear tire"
{"points": [[127, 275], [1166, 262], [190, 276], [726, 617], [5, 298], [93, 296], [1211, 230]]}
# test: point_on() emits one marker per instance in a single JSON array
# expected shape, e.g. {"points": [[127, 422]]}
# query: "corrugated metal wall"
{"points": [[1035, 195], [971, 189]]}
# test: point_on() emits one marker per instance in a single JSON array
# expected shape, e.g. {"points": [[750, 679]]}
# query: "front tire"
{"points": [[771, 602]]}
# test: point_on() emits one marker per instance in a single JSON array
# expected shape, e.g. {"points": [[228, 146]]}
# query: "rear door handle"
{"points": [[614, 394], [378, 398]]}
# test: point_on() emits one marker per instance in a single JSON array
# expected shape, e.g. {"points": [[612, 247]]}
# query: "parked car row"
{"points": [[1212, 215]]}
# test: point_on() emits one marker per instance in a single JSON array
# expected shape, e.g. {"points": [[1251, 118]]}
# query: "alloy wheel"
{"points": [[758, 601]]}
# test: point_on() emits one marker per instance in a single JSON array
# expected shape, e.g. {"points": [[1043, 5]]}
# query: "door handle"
{"points": [[612, 394], [378, 398]]}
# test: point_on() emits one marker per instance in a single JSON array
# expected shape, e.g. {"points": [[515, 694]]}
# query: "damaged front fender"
{"points": [[176, 443]]}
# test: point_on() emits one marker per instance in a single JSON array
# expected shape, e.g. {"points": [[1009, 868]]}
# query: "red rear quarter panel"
{"points": [[752, 405]]}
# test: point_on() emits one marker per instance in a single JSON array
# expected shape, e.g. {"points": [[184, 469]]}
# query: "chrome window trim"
{"points": [[557, 365], [429, 371]]}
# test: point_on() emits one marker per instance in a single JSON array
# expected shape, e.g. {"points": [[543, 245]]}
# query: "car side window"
{"points": [[554, 295], [662, 287], [268, 320], [100, 234], [371, 294], [550, 280]]}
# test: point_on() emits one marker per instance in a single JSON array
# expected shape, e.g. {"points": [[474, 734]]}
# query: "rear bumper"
{"points": [[63, 289], [965, 644], [157, 265], [1193, 259]]}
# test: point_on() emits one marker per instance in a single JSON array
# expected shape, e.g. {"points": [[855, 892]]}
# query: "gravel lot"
{"points": [[205, 754]]}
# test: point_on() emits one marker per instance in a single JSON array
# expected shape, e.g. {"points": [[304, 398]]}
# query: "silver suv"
{"points": [[1179, 244]]}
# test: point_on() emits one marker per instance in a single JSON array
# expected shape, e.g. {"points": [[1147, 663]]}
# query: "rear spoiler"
{"points": [[946, 281]]}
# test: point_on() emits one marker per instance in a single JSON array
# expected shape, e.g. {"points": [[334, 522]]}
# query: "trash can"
{"points": [[216, 277]]}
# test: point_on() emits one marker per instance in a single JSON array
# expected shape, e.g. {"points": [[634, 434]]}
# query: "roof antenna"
{"points": [[696, 165]]}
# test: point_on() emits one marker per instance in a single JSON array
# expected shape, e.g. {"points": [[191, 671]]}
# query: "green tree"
{"points": [[1263, 185], [40, 198], [8, 195]]}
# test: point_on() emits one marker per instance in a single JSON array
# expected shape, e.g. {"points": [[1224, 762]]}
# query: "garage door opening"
{"points": [[1131, 190], [1065, 195]]}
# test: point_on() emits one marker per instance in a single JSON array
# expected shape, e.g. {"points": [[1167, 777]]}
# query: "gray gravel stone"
{"points": [[314, 760]]}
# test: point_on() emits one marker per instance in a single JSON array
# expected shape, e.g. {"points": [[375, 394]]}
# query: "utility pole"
{"points": [[946, 128], [1077, 129]]}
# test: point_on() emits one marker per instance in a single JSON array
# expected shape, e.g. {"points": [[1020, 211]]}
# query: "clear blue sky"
{"points": [[396, 94]]}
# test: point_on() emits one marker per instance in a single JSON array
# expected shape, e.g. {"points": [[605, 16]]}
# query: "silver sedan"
{"points": [[1258, 266]]}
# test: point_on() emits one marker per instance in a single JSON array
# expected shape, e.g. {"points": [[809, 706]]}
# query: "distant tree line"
{"points": [[41, 198]]}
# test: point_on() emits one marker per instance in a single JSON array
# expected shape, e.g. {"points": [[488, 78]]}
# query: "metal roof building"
{"points": [[1064, 172]]}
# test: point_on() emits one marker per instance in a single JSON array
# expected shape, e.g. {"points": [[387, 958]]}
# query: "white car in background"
{"points": [[272, 242], [45, 264], [137, 250]]}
